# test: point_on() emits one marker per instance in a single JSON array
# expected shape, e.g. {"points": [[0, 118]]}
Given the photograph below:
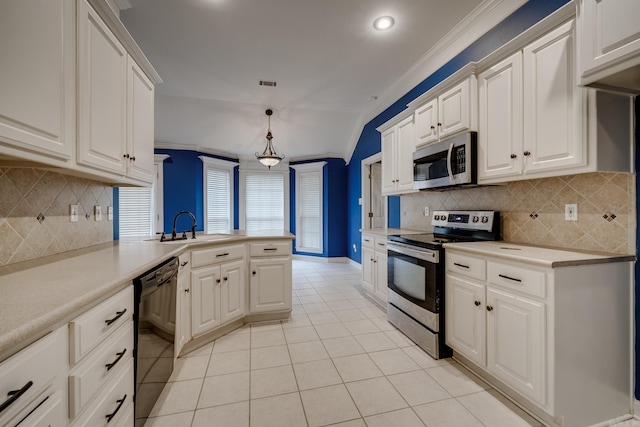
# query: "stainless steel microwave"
{"points": [[447, 163]]}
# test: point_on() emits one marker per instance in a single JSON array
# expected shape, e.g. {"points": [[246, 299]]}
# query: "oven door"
{"points": [[414, 274]]}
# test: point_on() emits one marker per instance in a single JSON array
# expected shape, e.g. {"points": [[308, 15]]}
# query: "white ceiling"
{"points": [[326, 57]]}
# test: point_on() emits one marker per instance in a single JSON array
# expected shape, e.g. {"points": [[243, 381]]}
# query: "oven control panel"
{"points": [[470, 220]]}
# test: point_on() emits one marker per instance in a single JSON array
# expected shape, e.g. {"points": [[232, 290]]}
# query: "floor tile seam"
{"points": [[468, 410], [177, 413]]}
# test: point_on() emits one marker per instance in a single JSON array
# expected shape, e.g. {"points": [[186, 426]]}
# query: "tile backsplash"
{"points": [[34, 213], [533, 211]]}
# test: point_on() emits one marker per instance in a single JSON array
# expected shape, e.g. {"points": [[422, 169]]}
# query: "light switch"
{"points": [[109, 213], [73, 213], [571, 212], [97, 212]]}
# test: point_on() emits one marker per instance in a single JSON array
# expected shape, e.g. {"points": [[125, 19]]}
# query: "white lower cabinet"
{"points": [[556, 340], [374, 265], [270, 284], [183, 303]]}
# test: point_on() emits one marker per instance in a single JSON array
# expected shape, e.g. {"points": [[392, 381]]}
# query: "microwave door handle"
{"points": [[449, 168]]}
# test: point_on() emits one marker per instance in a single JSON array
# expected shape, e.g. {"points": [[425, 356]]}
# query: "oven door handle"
{"points": [[449, 168], [425, 254]]}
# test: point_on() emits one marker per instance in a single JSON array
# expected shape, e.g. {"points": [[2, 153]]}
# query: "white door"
{"points": [[381, 279], [553, 103], [500, 127], [368, 274], [516, 347], [389, 161], [465, 318], [102, 94], [140, 124], [453, 110], [405, 147], [232, 291], [270, 288], [37, 88], [205, 300], [426, 117]]}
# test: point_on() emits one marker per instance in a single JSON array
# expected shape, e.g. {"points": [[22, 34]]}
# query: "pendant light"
{"points": [[269, 157]]}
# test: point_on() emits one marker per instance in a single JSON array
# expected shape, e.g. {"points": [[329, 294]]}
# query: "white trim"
{"points": [[365, 182], [193, 147], [324, 260], [482, 19], [213, 163], [158, 193], [310, 167]]}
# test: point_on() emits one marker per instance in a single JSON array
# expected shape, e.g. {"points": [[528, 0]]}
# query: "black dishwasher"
{"points": [[154, 322]]}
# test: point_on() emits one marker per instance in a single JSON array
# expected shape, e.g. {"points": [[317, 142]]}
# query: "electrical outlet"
{"points": [[97, 212], [109, 213], [73, 213], [355, 248], [571, 212], [426, 211]]}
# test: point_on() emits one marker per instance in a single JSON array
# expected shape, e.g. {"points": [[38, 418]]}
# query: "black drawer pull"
{"points": [[460, 265], [184, 263], [509, 278], [113, 414], [224, 254], [118, 315], [112, 364], [15, 395], [270, 249]]}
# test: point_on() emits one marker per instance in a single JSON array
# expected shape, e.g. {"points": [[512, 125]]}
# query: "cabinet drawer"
{"points": [[114, 401], [99, 368], [90, 329], [380, 244], [519, 278], [466, 265], [367, 241], [270, 249], [35, 369], [202, 257]]}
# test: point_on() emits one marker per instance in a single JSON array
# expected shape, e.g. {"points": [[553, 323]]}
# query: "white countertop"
{"points": [[536, 255], [39, 296]]}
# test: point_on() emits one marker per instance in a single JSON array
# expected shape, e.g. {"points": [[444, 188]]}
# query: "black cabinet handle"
{"points": [[217, 280], [527, 153], [224, 254], [509, 278], [15, 395], [184, 263], [110, 416], [489, 308], [270, 249], [513, 156], [461, 265], [477, 303], [112, 364], [254, 273], [118, 315], [225, 278]]}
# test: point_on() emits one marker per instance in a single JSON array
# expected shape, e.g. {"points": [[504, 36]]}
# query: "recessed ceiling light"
{"points": [[383, 23]]}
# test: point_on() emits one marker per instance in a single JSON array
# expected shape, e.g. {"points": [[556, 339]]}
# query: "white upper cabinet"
{"points": [[37, 101], [140, 120], [452, 111], [609, 43], [398, 145]]}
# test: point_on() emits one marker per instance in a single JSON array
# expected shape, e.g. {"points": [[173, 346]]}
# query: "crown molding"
{"points": [[193, 147], [483, 18]]}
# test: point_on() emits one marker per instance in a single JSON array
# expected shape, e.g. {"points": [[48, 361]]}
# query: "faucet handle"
{"points": [[184, 234], [162, 237]]}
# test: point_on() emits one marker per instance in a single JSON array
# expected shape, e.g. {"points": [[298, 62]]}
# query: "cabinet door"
{"points": [[553, 103], [381, 279], [609, 38], [516, 347], [453, 109], [232, 291], [406, 145], [102, 94], [367, 269], [140, 124], [183, 304], [389, 161], [500, 128], [426, 118], [270, 288], [205, 300], [37, 105], [465, 318]]}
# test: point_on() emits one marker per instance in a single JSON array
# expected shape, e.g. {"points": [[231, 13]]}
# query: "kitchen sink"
{"points": [[202, 238]]}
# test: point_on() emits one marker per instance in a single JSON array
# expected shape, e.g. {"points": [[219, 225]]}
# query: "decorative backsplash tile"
{"points": [[533, 211], [34, 213]]}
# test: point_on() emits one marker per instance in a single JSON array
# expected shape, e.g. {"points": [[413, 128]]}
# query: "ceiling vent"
{"points": [[268, 83]]}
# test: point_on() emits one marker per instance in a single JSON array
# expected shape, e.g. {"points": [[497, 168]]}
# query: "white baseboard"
{"points": [[325, 259], [636, 409]]}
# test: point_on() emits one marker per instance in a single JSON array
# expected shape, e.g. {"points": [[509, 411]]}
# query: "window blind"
{"points": [[264, 201], [309, 199], [218, 191], [135, 211]]}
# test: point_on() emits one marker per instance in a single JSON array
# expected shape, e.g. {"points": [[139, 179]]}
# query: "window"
{"points": [[218, 194], [265, 205], [140, 209], [309, 234]]}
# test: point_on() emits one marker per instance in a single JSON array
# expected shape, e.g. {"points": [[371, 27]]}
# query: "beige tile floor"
{"points": [[337, 362]]}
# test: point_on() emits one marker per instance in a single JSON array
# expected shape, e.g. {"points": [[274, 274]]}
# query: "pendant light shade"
{"points": [[269, 157]]}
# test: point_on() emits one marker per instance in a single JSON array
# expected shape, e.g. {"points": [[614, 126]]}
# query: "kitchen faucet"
{"points": [[193, 228]]}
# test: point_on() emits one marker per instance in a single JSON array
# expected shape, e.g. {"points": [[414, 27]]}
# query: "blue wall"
{"points": [[334, 207], [369, 141]]}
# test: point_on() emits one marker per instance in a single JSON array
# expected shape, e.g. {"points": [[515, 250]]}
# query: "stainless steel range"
{"points": [[416, 274]]}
